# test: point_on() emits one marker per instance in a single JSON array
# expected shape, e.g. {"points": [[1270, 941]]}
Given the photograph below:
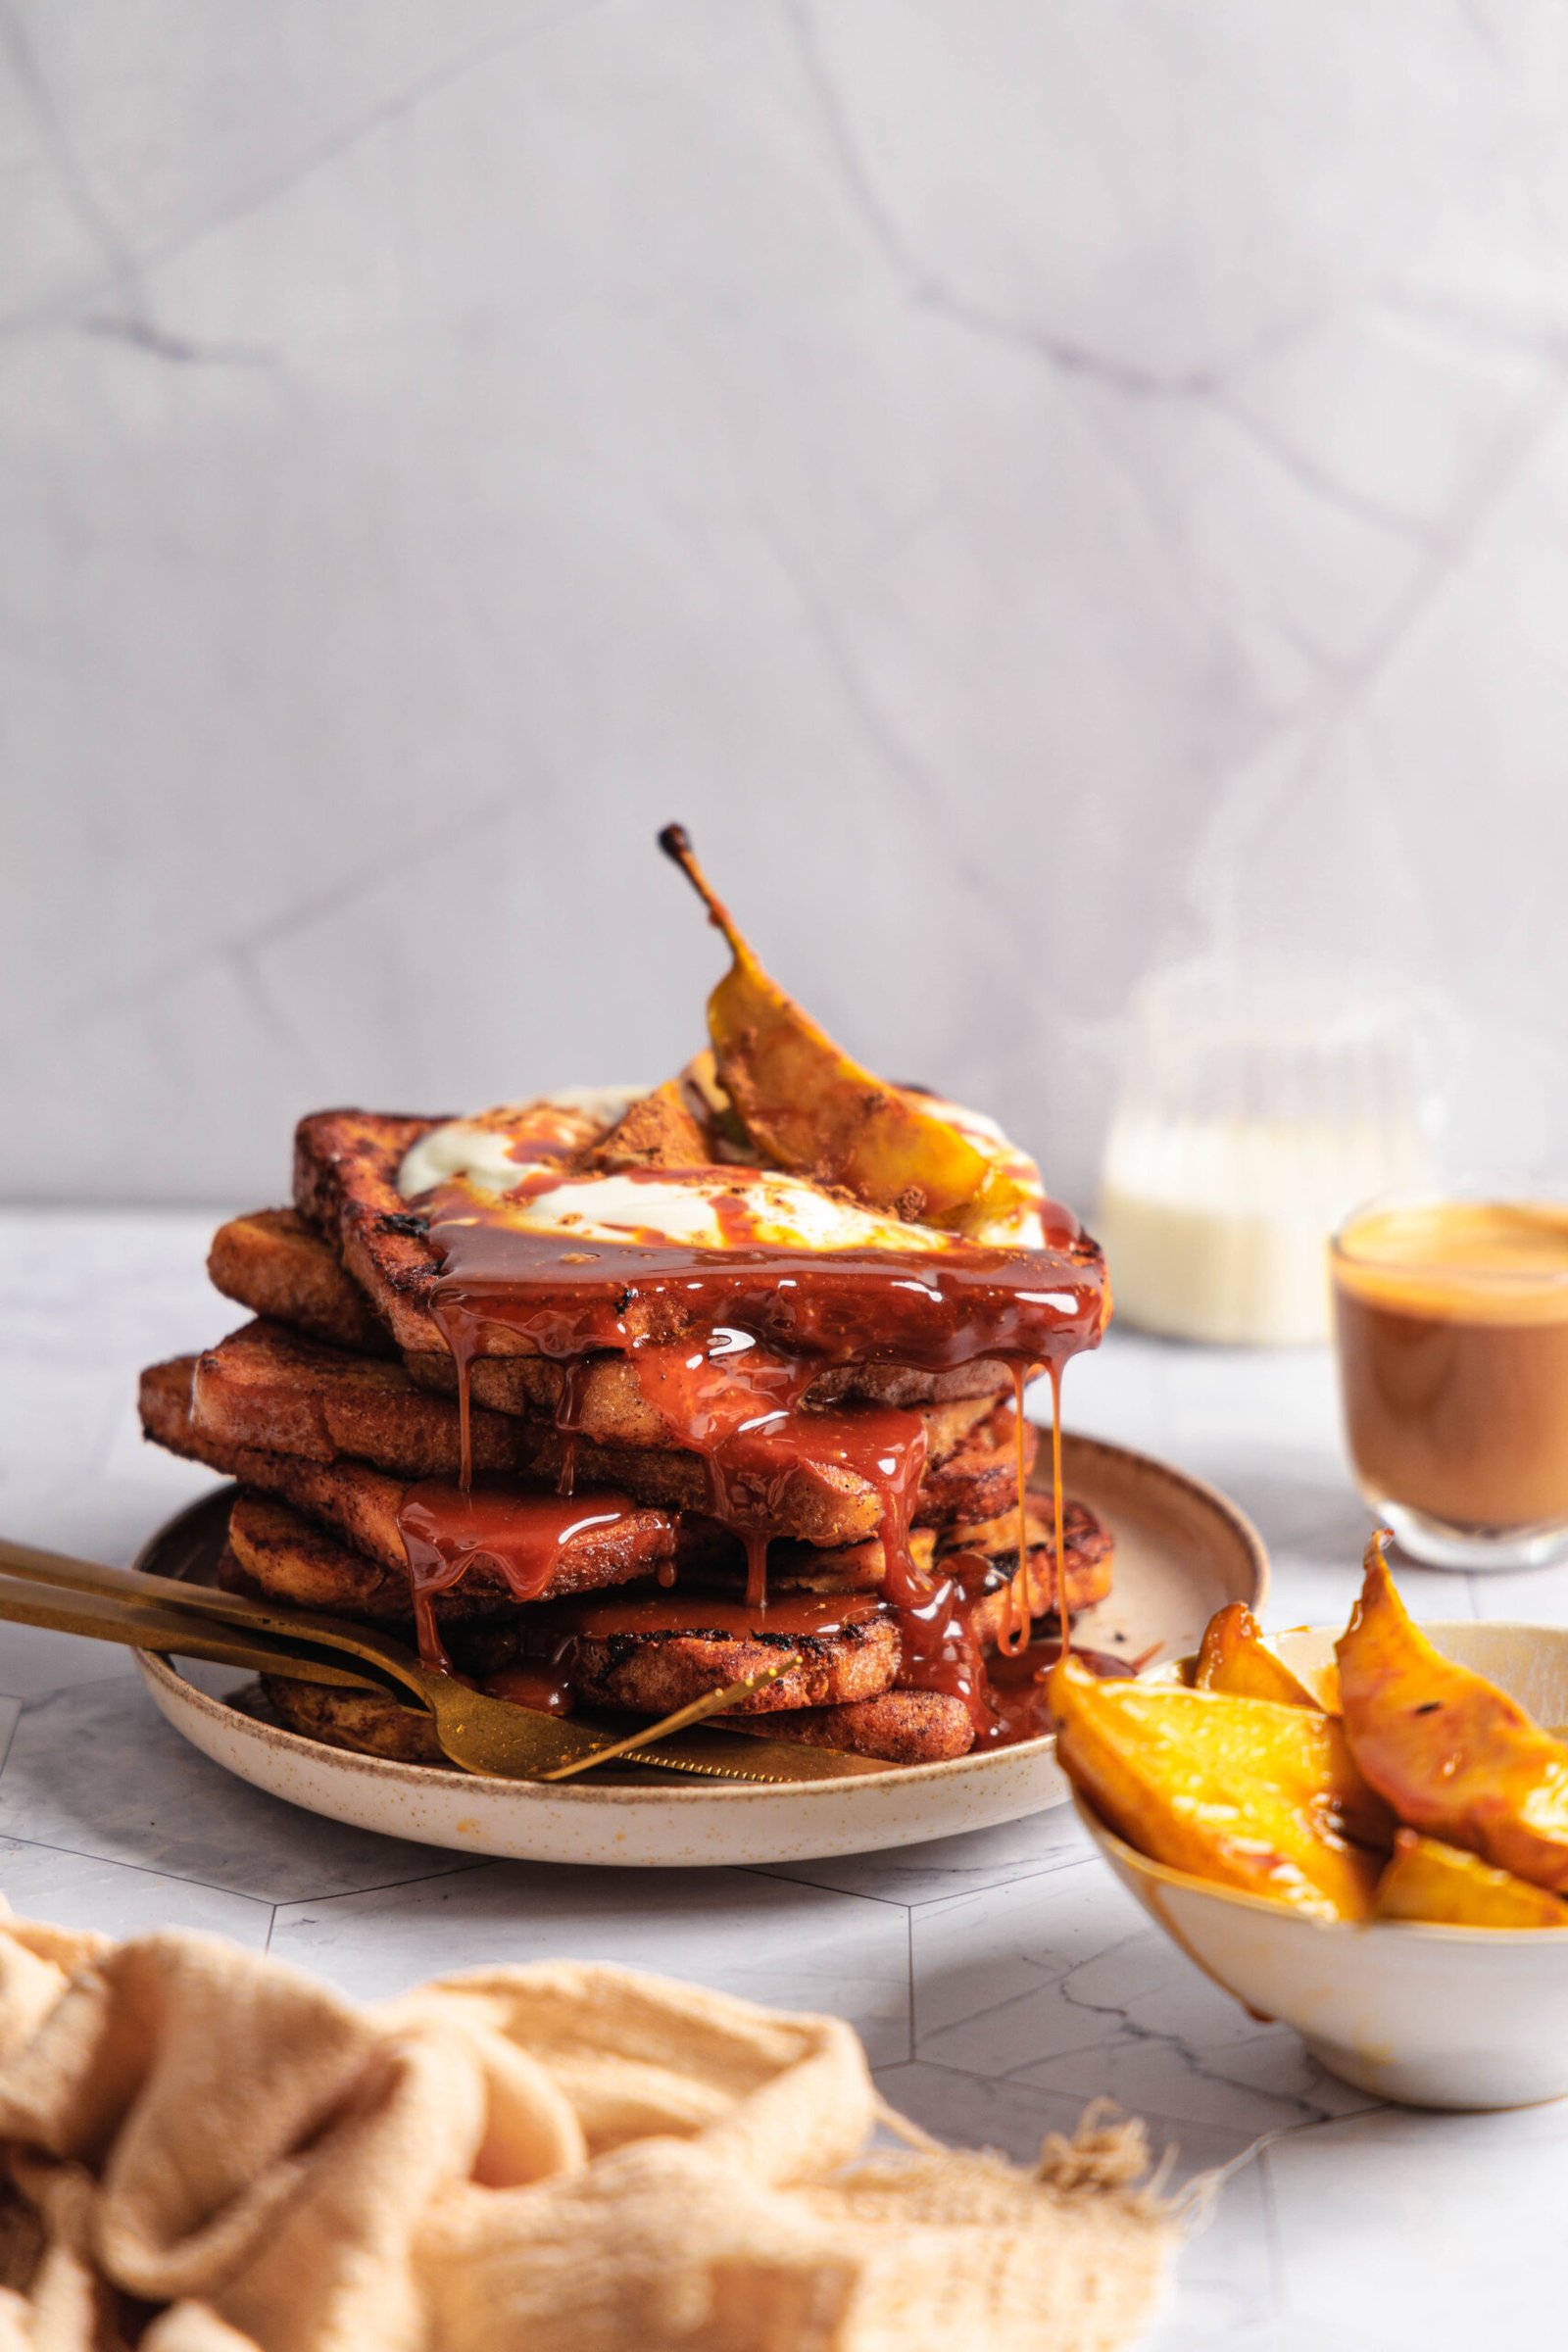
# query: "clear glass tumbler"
{"points": [[1452, 1318]]}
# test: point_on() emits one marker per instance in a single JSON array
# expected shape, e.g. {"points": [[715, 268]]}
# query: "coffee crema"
{"points": [[1452, 1326]]}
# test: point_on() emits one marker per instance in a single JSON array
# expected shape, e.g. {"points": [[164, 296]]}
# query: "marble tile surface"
{"points": [[83, 1890], [1000, 1980], [791, 1946], [64, 1784]]}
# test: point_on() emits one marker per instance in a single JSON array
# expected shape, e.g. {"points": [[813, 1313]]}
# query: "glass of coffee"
{"points": [[1452, 1318]]}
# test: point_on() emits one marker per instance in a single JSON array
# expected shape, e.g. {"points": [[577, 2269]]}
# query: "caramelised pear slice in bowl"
{"points": [[1428, 1880], [1452, 1754], [1447, 1988], [1237, 1661], [1246, 1792]]}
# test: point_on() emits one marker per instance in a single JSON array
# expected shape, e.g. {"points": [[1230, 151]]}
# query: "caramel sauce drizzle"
{"points": [[447, 1530], [1057, 1506], [791, 1616], [724, 1343], [535, 1683]]}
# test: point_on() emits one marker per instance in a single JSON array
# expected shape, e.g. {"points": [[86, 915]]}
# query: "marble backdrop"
{"points": [[1041, 487]]}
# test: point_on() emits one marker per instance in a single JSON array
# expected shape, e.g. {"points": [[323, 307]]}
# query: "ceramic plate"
{"points": [[1182, 1552]]}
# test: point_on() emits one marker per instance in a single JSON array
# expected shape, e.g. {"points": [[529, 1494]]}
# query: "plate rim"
{"points": [[589, 1795]]}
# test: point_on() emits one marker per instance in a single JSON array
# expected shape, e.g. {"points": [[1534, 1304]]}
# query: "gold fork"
{"points": [[486, 1736]]}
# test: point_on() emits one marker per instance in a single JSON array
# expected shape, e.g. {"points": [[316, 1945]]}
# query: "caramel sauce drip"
{"points": [[1020, 1709], [792, 1615], [1013, 1642], [941, 1652], [1064, 1605], [724, 1343], [565, 1296], [737, 1408], [533, 1683], [522, 1535], [1015, 1631]]}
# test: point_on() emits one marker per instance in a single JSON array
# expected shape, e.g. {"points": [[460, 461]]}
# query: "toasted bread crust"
{"points": [[361, 1720], [980, 1479], [269, 1386], [1090, 1556], [291, 1559], [346, 1166], [264, 1386], [361, 1504], [654, 1673], [273, 1264], [902, 1727]]}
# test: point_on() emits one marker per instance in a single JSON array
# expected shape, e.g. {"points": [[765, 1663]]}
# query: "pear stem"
{"points": [[676, 844]]}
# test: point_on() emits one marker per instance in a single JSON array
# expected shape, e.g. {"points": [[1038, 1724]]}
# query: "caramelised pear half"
{"points": [[1236, 1660], [820, 1114], [1451, 1754], [1242, 1791], [1428, 1880]]}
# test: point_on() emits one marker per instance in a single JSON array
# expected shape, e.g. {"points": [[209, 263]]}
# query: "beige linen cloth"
{"points": [[205, 2151]]}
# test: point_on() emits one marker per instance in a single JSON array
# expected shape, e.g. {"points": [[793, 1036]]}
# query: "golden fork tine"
{"points": [[714, 1702], [481, 1734]]}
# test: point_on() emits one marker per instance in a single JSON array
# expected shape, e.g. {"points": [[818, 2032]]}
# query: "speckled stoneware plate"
{"points": [[1182, 1552]]}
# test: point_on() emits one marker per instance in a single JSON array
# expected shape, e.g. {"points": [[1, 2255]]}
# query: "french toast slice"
{"points": [[613, 1410], [289, 1558], [277, 1553], [273, 1264], [990, 1552], [361, 1504], [367, 1722], [268, 1387], [1091, 1554], [654, 1673], [901, 1726], [346, 1166], [297, 1560]]}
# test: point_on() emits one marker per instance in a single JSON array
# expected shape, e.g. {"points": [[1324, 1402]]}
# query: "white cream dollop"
{"points": [[778, 1210], [493, 1151], [700, 1210]]}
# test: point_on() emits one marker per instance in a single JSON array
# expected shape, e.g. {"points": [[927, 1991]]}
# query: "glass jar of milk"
{"points": [[1256, 1109]]}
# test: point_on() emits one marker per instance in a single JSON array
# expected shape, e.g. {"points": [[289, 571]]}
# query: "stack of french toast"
{"points": [[606, 1400]]}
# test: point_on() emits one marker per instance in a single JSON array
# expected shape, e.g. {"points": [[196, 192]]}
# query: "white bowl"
{"points": [[1430, 2016]]}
